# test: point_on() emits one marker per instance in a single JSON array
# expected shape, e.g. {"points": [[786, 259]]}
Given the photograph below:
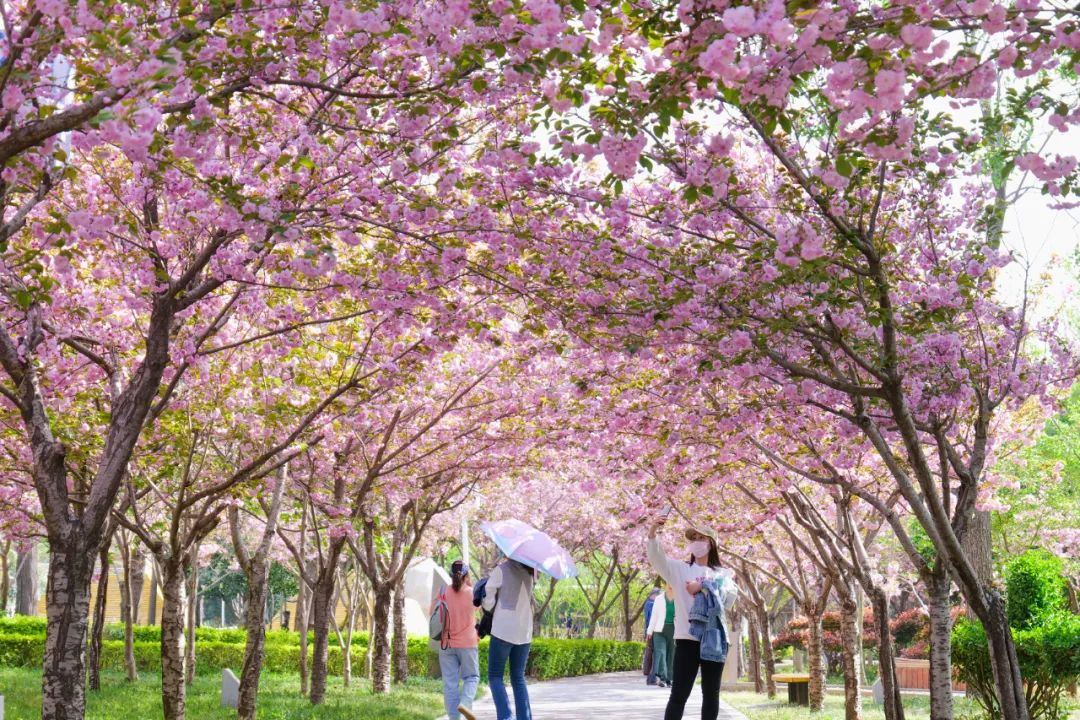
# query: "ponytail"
{"points": [[459, 570]]}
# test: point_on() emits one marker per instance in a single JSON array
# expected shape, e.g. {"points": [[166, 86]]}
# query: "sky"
{"points": [[1045, 241]]}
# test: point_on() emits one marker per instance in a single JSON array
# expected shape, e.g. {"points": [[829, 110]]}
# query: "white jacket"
{"points": [[659, 612]]}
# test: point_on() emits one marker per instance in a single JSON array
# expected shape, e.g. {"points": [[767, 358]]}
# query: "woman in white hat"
{"points": [[686, 579]]}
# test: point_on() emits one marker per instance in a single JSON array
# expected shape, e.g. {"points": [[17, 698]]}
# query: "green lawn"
{"points": [[759, 707], [279, 699]]}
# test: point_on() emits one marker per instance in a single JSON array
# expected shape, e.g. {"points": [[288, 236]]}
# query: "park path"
{"points": [[621, 696]]}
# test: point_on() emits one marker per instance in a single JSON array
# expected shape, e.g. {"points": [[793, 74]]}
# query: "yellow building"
{"points": [[112, 595]]}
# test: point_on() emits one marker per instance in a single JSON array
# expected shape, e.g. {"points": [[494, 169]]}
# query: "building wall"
{"points": [[112, 596]]}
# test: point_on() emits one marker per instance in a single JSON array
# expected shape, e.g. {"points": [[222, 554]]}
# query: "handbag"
{"points": [[483, 628]]}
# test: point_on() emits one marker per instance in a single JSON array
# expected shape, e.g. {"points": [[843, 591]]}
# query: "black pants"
{"points": [[687, 661]]}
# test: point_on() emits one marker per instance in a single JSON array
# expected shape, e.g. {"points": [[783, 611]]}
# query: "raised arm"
{"points": [[658, 558]]}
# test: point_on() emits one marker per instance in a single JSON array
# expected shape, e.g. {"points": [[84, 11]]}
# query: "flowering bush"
{"points": [[908, 626], [918, 650]]}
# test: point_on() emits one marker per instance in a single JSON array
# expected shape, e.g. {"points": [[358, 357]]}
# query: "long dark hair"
{"points": [[714, 556], [458, 571]]}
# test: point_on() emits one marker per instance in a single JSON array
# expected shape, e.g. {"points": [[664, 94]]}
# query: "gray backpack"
{"points": [[440, 617]]}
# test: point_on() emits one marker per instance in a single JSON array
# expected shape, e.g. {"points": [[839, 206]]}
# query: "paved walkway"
{"points": [[614, 695]]}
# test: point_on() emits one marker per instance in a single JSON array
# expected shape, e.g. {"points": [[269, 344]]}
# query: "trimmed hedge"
{"points": [[30, 626], [552, 658], [22, 644], [210, 656], [22, 625]]}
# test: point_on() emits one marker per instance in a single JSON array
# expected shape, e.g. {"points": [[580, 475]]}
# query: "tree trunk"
{"points": [[67, 606], [94, 658], [893, 707], [401, 638], [26, 582], [350, 629], [370, 655], [256, 566], [125, 611], [754, 643], [628, 624], [192, 615], [977, 546], [256, 637], [767, 656], [301, 625], [380, 641], [5, 579], [155, 584], [851, 656], [173, 607], [346, 660], [1003, 659], [814, 660], [937, 589], [138, 578], [322, 596], [540, 609], [594, 617]]}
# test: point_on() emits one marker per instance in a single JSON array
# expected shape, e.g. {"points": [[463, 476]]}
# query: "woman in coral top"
{"points": [[459, 659]]}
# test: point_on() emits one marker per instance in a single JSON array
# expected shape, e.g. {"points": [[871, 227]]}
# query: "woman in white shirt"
{"points": [[686, 580], [662, 631], [509, 591]]}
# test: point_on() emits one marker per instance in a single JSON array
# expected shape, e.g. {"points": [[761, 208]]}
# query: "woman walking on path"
{"points": [[662, 633], [509, 592], [459, 657], [701, 587]]}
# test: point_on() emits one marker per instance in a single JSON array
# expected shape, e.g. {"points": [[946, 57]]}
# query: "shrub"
{"points": [[568, 658], [908, 625], [22, 650], [551, 658], [1049, 656], [1035, 588], [22, 625], [217, 649], [918, 650], [788, 640]]}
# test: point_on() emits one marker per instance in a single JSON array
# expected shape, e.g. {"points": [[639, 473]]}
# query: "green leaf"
{"points": [[23, 299]]}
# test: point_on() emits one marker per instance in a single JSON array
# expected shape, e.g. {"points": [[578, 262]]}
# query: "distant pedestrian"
{"points": [[459, 658], [650, 650], [661, 632]]}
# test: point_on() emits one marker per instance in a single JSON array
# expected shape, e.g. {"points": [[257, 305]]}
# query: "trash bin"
{"points": [[284, 619]]}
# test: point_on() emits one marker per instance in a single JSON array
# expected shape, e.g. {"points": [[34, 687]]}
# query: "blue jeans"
{"points": [[459, 665], [498, 653]]}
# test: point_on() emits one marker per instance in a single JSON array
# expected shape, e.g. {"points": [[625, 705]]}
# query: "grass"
{"points": [[279, 699], [759, 707]]}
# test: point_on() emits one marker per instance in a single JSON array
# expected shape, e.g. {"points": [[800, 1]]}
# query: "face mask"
{"points": [[699, 548]]}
